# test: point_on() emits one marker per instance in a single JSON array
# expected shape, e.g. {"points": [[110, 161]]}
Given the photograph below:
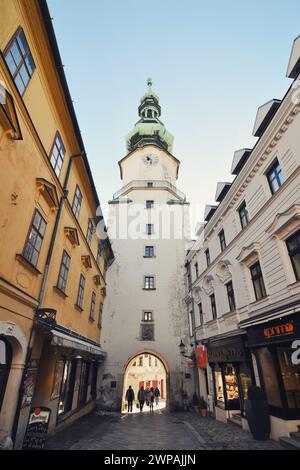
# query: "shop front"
{"points": [[232, 374], [275, 345], [64, 380]]}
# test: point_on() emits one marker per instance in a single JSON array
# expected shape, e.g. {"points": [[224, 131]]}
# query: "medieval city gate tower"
{"points": [[149, 229]]}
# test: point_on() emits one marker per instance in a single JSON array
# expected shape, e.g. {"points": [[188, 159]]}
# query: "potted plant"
{"points": [[257, 413], [195, 402], [202, 406]]}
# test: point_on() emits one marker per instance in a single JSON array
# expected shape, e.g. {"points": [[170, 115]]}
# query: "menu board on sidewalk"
{"points": [[37, 428]]}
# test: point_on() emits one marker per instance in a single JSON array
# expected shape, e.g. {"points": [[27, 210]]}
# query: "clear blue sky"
{"points": [[212, 64]]}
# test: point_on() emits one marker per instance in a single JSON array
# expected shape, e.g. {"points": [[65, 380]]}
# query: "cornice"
{"points": [[264, 146]]}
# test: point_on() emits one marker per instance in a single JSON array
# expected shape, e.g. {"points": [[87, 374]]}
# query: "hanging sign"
{"points": [[37, 428], [201, 358]]}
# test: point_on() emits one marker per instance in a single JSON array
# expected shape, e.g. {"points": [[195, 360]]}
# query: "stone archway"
{"points": [[17, 341], [160, 375]]}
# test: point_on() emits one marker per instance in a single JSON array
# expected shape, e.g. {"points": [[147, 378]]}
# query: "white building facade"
{"points": [[144, 312], [244, 272]]}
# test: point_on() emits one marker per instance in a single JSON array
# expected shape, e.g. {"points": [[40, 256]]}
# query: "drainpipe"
{"points": [[41, 296], [195, 369]]}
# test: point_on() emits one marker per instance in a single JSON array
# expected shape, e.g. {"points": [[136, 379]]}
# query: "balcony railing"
{"points": [[136, 184]]}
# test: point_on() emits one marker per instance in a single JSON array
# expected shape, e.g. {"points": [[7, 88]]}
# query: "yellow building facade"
{"points": [[52, 262]]}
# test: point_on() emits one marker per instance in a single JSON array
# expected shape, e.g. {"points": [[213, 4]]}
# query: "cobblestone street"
{"points": [[160, 431]]}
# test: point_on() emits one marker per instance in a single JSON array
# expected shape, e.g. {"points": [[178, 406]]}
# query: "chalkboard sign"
{"points": [[37, 428]]}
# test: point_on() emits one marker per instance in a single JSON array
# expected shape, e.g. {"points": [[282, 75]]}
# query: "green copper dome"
{"points": [[149, 129]]}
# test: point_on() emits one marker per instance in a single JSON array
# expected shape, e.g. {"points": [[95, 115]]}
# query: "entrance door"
{"points": [[5, 363], [67, 387]]}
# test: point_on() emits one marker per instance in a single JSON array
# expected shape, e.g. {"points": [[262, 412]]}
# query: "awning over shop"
{"points": [[67, 341]]}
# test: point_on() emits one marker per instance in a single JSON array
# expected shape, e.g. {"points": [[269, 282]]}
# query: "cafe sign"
{"points": [[282, 329], [233, 351]]}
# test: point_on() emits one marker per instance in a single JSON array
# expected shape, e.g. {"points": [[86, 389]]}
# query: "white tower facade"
{"points": [[144, 311]]}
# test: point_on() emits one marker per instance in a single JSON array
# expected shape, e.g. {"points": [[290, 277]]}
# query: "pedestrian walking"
{"points": [[147, 395], [141, 397], [151, 399], [129, 397], [157, 395]]}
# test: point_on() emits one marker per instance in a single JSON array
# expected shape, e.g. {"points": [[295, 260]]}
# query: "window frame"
{"points": [[92, 307], [200, 308], [145, 253], [222, 240], [80, 292], [7, 51], [62, 157], [100, 313], [196, 266], [243, 214], [230, 296], [39, 235], [151, 227], [76, 211], [258, 277], [213, 306], [292, 252], [66, 266], [207, 256], [89, 232], [147, 313], [271, 168], [147, 281], [151, 205]]}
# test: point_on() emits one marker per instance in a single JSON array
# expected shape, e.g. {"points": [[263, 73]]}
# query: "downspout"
{"points": [[195, 369], [41, 296]]}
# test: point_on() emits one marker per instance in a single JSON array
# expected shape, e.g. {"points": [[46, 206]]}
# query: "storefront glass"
{"points": [[219, 385], [290, 374], [67, 387], [83, 387], [269, 374], [245, 378], [232, 389]]}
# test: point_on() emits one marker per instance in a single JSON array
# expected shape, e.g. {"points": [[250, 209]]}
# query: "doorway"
{"points": [[146, 370], [5, 364]]}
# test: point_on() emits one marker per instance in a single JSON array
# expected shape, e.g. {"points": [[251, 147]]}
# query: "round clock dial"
{"points": [[150, 159]]}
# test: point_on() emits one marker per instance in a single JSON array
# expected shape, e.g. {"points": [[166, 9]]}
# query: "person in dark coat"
{"points": [[141, 397], [129, 397], [151, 398], [157, 395]]}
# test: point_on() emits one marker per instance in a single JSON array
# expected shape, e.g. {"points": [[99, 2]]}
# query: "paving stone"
{"points": [[157, 431]]}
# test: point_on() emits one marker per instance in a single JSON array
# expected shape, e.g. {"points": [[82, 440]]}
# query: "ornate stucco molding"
{"points": [[249, 253], [285, 222]]}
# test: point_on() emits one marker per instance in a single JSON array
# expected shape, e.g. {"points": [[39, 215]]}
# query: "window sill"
{"points": [[99, 326], [27, 264], [91, 319], [145, 288], [260, 301], [60, 292], [78, 308], [149, 256]]}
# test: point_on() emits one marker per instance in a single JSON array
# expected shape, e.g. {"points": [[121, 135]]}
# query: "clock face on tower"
{"points": [[150, 159]]}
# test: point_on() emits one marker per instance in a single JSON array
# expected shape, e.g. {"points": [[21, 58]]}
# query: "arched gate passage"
{"points": [[150, 369]]}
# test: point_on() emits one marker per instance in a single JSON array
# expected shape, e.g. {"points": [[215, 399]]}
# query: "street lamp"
{"points": [[182, 349]]}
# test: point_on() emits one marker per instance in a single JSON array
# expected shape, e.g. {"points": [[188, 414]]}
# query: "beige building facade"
{"points": [[243, 272]]}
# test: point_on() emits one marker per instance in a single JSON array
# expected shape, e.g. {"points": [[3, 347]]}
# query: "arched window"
{"points": [[5, 363]]}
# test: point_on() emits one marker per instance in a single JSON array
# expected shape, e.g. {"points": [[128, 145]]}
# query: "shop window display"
{"points": [[270, 378], [219, 385], [290, 377], [232, 389]]}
